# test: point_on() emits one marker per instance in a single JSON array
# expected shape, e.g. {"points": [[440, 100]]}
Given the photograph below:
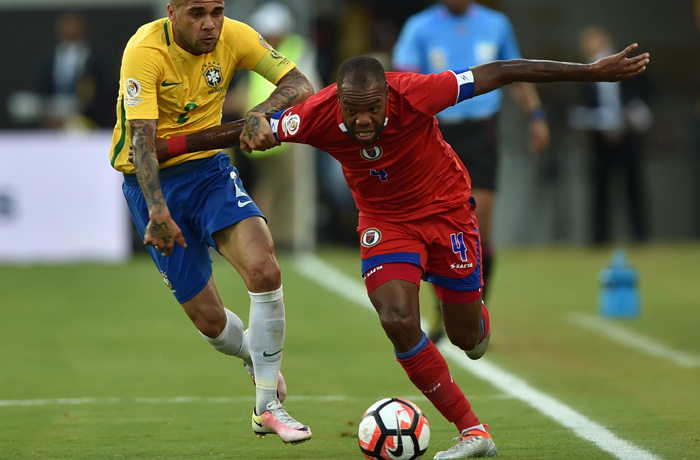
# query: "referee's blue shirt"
{"points": [[435, 40]]}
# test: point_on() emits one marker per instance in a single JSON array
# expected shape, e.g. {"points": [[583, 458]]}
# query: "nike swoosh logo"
{"points": [[165, 83], [398, 452], [266, 354], [257, 423], [240, 205]]}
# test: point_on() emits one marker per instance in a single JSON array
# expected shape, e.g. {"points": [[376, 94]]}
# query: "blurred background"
{"points": [[60, 199]]}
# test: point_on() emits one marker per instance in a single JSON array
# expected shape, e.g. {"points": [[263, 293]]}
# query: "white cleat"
{"points": [[276, 420], [472, 443]]}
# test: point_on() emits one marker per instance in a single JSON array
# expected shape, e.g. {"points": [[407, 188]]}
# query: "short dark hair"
{"points": [[361, 72]]}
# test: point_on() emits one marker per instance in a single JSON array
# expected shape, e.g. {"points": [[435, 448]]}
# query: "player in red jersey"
{"points": [[416, 216]]}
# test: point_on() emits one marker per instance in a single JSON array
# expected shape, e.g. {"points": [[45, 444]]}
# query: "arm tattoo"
{"points": [[161, 230], [292, 89], [253, 124], [143, 133]]}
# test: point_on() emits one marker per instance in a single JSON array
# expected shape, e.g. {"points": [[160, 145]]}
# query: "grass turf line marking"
{"points": [[583, 427], [172, 400], [197, 399], [635, 341]]}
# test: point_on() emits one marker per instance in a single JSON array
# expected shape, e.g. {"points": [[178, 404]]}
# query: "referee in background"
{"points": [[450, 35]]}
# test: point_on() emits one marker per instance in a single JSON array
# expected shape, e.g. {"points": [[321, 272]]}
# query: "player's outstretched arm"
{"points": [[217, 137], [493, 75]]}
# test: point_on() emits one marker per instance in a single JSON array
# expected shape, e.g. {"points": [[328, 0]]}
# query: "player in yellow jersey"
{"points": [[173, 80]]}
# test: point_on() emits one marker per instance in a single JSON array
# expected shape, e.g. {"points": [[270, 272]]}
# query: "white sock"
{"points": [[266, 329], [232, 341]]}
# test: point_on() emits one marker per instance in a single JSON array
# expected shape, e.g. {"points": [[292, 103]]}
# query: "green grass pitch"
{"points": [[99, 362]]}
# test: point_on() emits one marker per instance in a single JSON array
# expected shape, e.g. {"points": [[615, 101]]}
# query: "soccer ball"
{"points": [[393, 429]]}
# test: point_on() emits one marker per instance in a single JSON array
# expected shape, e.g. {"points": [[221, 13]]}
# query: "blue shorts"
{"points": [[203, 196]]}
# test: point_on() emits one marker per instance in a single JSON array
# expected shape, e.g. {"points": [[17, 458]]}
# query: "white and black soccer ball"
{"points": [[393, 429]]}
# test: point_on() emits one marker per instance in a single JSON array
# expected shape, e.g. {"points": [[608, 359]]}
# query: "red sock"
{"points": [[485, 321], [428, 371]]}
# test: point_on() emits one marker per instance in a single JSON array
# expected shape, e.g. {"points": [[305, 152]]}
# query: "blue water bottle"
{"points": [[619, 292]]}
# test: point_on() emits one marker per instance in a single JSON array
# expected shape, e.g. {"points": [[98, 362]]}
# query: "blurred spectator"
{"points": [[271, 174], [616, 116], [70, 87], [455, 34]]}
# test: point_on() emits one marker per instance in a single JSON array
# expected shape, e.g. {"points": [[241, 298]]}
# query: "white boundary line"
{"points": [[198, 399], [329, 277], [635, 341], [171, 400]]}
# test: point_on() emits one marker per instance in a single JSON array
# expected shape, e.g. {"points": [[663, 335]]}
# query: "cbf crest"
{"points": [[212, 74]]}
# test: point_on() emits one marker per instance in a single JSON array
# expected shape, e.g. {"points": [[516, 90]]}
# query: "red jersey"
{"points": [[410, 171]]}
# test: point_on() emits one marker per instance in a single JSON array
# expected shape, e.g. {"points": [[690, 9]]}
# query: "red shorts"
{"points": [[442, 249]]}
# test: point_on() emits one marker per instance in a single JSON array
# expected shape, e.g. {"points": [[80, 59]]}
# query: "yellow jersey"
{"points": [[185, 93]]}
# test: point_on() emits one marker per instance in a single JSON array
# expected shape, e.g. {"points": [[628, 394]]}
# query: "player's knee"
{"points": [[397, 322], [464, 339], [263, 276]]}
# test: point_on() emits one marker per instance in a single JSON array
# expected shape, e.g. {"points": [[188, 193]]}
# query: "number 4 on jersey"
{"points": [[458, 246], [381, 174]]}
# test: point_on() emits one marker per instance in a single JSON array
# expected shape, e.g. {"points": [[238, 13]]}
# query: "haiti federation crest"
{"points": [[371, 237], [372, 153]]}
